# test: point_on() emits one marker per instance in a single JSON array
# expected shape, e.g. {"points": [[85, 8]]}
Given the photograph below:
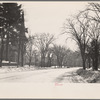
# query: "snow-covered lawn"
{"points": [[89, 75]]}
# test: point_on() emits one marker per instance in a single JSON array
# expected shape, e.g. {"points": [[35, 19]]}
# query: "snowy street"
{"points": [[65, 75]]}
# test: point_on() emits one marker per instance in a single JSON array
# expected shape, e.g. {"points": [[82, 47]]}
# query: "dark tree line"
{"points": [[12, 32]]}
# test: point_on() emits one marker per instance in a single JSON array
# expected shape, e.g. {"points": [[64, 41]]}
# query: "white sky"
{"points": [[49, 17]]}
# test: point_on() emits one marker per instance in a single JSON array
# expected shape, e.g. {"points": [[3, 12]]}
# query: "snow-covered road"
{"points": [[66, 75]]}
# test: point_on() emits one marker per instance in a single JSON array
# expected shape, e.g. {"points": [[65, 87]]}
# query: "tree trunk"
{"points": [[96, 55], [18, 53], [42, 60], [83, 58], [22, 54], [89, 62], [49, 61], [83, 61], [35, 60], [84, 65], [29, 61], [7, 46], [58, 64], [2, 49]]}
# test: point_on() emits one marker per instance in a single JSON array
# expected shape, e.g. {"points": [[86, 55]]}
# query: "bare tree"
{"points": [[85, 30], [42, 42], [94, 34], [60, 52], [29, 49], [93, 11], [78, 28]]}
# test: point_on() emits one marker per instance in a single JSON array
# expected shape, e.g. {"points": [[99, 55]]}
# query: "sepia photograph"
{"points": [[49, 43]]}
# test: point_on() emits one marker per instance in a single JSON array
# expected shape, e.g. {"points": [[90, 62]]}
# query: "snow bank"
{"points": [[89, 75], [6, 69]]}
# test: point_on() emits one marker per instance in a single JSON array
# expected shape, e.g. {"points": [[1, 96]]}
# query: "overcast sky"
{"points": [[49, 17]]}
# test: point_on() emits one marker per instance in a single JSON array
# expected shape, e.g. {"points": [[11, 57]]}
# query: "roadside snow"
{"points": [[43, 75], [89, 75], [7, 69], [71, 76]]}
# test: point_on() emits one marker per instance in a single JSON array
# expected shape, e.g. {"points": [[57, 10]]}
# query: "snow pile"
{"points": [[6, 69], [89, 75]]}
